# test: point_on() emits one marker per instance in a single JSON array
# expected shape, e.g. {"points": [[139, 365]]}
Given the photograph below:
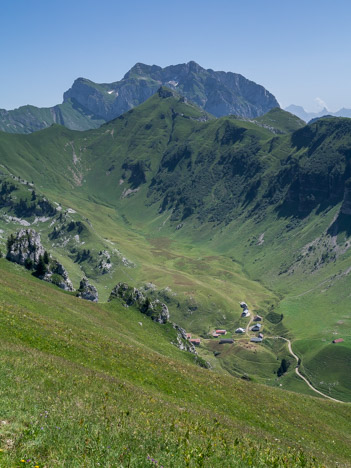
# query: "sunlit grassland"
{"points": [[84, 384]]}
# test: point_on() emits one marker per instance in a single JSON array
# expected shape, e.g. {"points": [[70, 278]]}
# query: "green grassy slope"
{"points": [[281, 121], [85, 384], [28, 119], [217, 210]]}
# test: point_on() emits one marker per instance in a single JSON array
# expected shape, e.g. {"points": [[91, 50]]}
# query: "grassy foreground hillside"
{"points": [[87, 385]]}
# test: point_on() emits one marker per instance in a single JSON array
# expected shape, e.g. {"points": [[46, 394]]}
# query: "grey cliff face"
{"points": [[219, 93], [110, 101], [87, 291], [26, 246]]}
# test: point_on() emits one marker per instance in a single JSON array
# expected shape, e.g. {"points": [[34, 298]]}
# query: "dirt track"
{"points": [[300, 375]]}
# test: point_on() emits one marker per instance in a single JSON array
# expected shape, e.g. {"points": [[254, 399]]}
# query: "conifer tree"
{"points": [[46, 258], [40, 269]]}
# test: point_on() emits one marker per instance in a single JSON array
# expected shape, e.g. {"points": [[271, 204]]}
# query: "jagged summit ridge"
{"points": [[219, 93], [88, 105]]}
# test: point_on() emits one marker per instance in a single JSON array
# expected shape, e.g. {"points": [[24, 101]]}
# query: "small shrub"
{"points": [[28, 263], [56, 279]]}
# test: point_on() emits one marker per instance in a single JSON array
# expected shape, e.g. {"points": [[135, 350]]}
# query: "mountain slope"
{"points": [[87, 104], [281, 121], [28, 119], [87, 383], [217, 211]]}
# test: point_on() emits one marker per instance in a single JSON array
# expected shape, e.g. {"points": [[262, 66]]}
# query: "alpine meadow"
{"points": [[175, 277]]}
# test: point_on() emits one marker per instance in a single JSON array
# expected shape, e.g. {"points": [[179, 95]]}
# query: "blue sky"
{"points": [[299, 50]]}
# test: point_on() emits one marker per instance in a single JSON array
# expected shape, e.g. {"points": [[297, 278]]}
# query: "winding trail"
{"points": [[250, 322], [299, 373]]}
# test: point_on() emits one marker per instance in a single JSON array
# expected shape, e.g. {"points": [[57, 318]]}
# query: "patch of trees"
{"points": [[36, 207], [76, 225], [5, 193], [28, 263], [83, 255], [10, 242], [54, 234], [25, 207], [284, 366], [7, 188], [274, 318], [136, 171], [41, 267]]}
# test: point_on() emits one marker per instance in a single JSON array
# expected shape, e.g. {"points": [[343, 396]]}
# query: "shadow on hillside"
{"points": [[341, 225]]}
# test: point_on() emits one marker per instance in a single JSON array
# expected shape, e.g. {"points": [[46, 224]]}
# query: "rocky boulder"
{"points": [[25, 247], [87, 291], [156, 310], [58, 275], [129, 295]]}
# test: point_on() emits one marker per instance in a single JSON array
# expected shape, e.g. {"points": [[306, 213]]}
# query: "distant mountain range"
{"points": [[87, 104], [300, 112]]}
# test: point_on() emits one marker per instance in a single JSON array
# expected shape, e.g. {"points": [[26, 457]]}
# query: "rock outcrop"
{"points": [[156, 310], [182, 342], [105, 264], [58, 275], [25, 248], [87, 291], [128, 295]]}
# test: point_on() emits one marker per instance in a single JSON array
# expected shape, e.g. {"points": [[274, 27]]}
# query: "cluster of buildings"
{"points": [[220, 333], [194, 341], [257, 328], [245, 312]]}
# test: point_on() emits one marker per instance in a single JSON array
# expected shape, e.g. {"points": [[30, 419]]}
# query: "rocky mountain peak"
{"points": [[142, 69], [194, 67], [87, 104]]}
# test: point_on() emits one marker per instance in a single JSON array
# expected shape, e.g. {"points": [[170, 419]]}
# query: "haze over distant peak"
{"points": [[300, 112]]}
